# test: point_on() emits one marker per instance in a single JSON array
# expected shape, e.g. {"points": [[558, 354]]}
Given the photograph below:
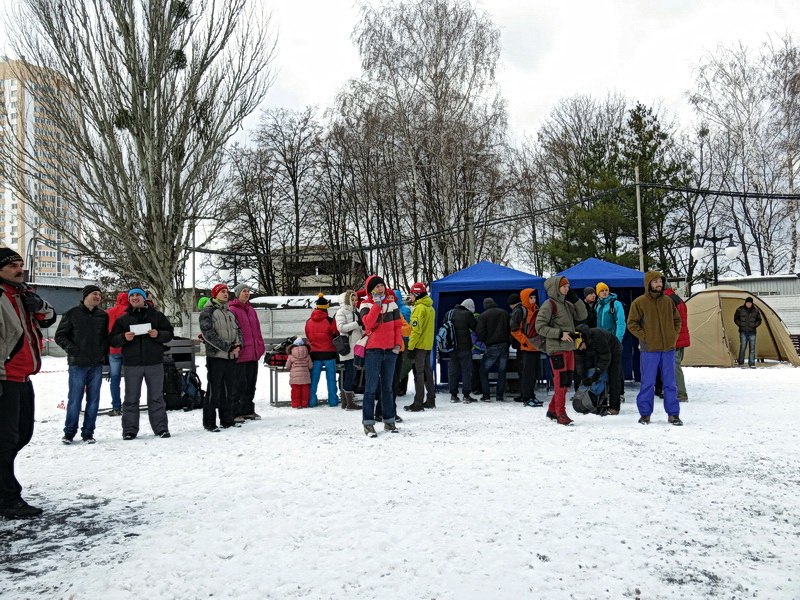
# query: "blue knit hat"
{"points": [[139, 291]]}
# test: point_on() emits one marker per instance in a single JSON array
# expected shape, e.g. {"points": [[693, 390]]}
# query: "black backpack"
{"points": [[193, 394], [173, 386]]}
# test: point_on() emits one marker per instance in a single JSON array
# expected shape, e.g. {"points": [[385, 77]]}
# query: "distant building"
{"points": [[26, 128], [319, 271]]}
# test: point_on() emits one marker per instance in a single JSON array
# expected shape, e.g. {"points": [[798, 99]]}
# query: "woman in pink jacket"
{"points": [[381, 318], [252, 350]]}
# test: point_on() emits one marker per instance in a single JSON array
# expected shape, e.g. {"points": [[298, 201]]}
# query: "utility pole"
{"points": [[639, 218]]}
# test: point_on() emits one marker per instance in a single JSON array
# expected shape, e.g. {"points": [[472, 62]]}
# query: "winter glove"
{"points": [[571, 296], [33, 302], [596, 376]]}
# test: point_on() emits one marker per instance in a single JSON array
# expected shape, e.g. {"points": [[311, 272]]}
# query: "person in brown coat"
{"points": [[655, 321]]}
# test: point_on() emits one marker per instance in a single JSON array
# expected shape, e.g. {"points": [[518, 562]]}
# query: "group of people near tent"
{"points": [[374, 332]]}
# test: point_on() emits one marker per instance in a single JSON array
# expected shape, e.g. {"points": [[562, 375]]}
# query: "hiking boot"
{"points": [[252, 417], [414, 407], [164, 434], [467, 400], [89, 439], [67, 439], [239, 420], [234, 424], [349, 402], [398, 419], [563, 419], [644, 420], [114, 413], [390, 427], [675, 420], [429, 403], [683, 398], [128, 436], [213, 429], [612, 411], [19, 509], [370, 431], [534, 403], [551, 415], [455, 400]]}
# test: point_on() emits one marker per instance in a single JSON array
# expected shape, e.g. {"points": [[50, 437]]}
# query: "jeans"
{"points": [[348, 376], [460, 367], [80, 378], [379, 370], [651, 363], [115, 376], [330, 374], [16, 430], [747, 339], [496, 354]]}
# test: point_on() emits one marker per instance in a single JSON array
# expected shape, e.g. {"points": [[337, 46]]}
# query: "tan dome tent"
{"points": [[715, 337]]}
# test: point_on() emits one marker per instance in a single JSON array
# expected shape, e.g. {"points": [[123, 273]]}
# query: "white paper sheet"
{"points": [[141, 328]]}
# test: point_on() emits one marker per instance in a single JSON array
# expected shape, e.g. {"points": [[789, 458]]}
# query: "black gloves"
{"points": [[33, 302], [571, 296], [596, 375]]}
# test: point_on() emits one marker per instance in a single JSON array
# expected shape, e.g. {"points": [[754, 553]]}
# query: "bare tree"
{"points": [[142, 97]]}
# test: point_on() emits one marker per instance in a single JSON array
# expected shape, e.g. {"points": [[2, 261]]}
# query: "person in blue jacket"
{"points": [[611, 317]]}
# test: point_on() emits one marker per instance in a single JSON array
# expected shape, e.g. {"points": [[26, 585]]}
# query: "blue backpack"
{"points": [[446, 336]]}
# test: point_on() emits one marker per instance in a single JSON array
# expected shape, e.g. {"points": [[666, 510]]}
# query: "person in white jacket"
{"points": [[349, 324]]}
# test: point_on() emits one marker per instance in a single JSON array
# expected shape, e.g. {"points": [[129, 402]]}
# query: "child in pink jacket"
{"points": [[299, 367]]}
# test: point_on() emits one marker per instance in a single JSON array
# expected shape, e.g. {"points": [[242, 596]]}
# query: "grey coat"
{"points": [[220, 330], [557, 315]]}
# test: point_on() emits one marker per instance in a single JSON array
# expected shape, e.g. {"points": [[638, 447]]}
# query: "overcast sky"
{"points": [[644, 49]]}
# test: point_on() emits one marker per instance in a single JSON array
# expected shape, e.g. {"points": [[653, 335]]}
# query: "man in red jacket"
{"points": [[115, 355], [22, 316]]}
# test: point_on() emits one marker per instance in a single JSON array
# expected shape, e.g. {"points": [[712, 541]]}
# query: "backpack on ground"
{"points": [[446, 336], [173, 386], [193, 394]]}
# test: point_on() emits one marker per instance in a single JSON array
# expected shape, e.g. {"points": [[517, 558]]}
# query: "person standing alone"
{"points": [[747, 318]]}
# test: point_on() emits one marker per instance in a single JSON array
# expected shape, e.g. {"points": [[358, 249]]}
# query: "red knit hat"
{"points": [[217, 289], [418, 288]]}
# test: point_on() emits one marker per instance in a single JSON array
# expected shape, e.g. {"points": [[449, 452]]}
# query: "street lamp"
{"points": [[731, 251]]}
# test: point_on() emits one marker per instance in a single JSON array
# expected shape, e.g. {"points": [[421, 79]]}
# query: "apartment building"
{"points": [[26, 91]]}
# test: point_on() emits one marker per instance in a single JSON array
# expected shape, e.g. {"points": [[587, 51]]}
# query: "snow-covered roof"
{"points": [[67, 282]]}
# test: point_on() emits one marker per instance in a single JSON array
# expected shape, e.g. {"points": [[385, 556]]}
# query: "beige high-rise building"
{"points": [[25, 119]]}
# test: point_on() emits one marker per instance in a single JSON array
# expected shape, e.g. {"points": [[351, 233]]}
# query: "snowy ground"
{"points": [[478, 501]]}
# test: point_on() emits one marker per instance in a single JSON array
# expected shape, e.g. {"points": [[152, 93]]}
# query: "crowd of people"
{"points": [[375, 336]]}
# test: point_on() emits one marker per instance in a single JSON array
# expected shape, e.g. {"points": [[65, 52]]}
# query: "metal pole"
{"points": [[639, 218], [714, 247], [194, 283]]}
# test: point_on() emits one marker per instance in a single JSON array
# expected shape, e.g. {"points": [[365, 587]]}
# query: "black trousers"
{"points": [[246, 378], [16, 430], [221, 374], [530, 371], [615, 381]]}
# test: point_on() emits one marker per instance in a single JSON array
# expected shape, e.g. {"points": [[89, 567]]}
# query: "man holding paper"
{"points": [[141, 332]]}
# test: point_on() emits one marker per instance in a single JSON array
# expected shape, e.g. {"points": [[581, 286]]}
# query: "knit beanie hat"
{"points": [[298, 341], [373, 282], [748, 299], [588, 291], [201, 304], [322, 302], [563, 281], [217, 289], [8, 256], [238, 289], [513, 299], [601, 287], [139, 291], [88, 290], [418, 289], [469, 305]]}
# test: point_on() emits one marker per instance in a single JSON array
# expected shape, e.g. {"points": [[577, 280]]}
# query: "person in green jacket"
{"points": [[419, 348]]}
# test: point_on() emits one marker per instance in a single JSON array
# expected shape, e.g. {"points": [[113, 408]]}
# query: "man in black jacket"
{"points": [[142, 332], [494, 330], [460, 366], [747, 318], [83, 334], [603, 351]]}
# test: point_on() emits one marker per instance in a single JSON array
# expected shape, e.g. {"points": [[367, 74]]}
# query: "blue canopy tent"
{"points": [[626, 283], [482, 280]]}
